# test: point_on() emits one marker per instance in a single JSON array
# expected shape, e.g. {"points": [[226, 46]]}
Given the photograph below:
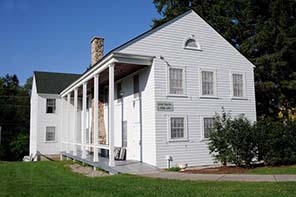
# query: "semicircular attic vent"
{"points": [[191, 43]]}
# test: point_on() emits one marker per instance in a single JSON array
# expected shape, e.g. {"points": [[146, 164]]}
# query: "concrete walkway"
{"points": [[219, 177]]}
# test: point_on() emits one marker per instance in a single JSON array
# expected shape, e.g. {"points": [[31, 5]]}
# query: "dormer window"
{"points": [[191, 43]]}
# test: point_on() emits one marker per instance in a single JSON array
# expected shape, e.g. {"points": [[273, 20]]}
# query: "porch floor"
{"points": [[125, 166]]}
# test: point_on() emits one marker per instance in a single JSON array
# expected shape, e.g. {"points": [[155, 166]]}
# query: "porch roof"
{"points": [[125, 64]]}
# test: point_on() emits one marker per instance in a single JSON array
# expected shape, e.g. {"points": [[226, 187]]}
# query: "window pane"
{"points": [[50, 105], [191, 43], [207, 83], [208, 126], [176, 81], [50, 134], [237, 85], [177, 128]]}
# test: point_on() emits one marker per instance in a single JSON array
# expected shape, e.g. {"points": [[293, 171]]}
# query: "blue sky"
{"points": [[54, 35]]}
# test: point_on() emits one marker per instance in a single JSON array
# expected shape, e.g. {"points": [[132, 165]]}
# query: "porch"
{"points": [[92, 122], [121, 166]]}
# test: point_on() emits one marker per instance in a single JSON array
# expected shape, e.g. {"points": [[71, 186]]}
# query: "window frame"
{"points": [[232, 88], [169, 134], [192, 37], [202, 123], [201, 95], [55, 134], [183, 81], [47, 106]]}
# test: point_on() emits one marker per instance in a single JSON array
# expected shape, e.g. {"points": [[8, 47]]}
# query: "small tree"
{"points": [[242, 140], [219, 138]]}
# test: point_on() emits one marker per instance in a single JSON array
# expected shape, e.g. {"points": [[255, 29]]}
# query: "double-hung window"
{"points": [[208, 126], [50, 134], [177, 128], [50, 106], [176, 81], [238, 85], [208, 83]]}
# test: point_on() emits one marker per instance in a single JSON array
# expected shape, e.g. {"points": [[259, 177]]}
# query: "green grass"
{"points": [[274, 170], [54, 179]]}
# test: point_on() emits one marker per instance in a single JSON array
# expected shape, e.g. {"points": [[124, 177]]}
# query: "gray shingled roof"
{"points": [[53, 83]]}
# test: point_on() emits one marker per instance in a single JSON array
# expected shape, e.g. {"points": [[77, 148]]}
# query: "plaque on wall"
{"points": [[165, 106]]}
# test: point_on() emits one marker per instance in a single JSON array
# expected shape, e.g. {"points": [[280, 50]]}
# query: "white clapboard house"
{"points": [[154, 97]]}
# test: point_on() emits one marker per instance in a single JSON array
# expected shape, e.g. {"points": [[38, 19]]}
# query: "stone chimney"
{"points": [[97, 50]]}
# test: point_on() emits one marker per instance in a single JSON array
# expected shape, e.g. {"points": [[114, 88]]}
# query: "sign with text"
{"points": [[165, 106]]}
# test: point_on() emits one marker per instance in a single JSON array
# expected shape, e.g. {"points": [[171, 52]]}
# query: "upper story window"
{"points": [[50, 134], [176, 81], [238, 85], [136, 86], [118, 90], [208, 83], [191, 43], [50, 106]]}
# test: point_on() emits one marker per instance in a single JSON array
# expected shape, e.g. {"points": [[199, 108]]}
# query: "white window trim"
{"points": [[55, 105], [231, 86], [184, 81], [202, 127], [185, 138], [55, 132], [198, 48], [214, 96]]}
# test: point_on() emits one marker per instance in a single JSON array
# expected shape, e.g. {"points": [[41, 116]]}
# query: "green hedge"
{"points": [[240, 142]]}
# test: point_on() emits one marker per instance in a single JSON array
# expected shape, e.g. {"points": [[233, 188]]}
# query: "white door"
{"points": [[134, 147]]}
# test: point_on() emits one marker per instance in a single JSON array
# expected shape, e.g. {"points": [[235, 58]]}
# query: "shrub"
{"points": [[219, 139], [242, 141]]}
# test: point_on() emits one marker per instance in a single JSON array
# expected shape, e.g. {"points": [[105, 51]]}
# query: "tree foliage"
{"points": [[264, 31], [14, 119]]}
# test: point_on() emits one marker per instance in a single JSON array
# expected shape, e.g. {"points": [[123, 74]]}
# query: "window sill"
{"points": [[193, 48], [177, 140], [49, 142], [205, 140], [178, 95], [208, 97], [239, 98]]}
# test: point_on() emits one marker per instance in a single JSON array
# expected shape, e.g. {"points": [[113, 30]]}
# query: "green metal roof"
{"points": [[53, 83]]}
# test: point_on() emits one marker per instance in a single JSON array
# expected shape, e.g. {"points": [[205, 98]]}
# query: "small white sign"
{"points": [[165, 106]]}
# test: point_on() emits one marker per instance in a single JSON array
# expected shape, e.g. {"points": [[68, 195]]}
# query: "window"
{"points": [[238, 85], [208, 83], [119, 90], [50, 134], [178, 128], [50, 106], [208, 126], [176, 81], [191, 43], [136, 86]]}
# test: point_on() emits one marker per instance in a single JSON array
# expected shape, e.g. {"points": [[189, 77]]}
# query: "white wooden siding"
{"points": [[166, 44]]}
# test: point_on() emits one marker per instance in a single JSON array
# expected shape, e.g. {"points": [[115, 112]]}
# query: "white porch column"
{"points": [[75, 122], [67, 122], [83, 131], [111, 115], [96, 117]]}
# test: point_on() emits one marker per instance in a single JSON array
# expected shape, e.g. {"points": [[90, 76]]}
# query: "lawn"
{"points": [[274, 170], [54, 179]]}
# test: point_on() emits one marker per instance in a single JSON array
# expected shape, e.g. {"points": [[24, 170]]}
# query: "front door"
{"points": [[134, 147]]}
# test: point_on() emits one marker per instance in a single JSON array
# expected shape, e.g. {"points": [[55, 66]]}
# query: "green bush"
{"points": [[276, 141], [240, 142], [219, 139]]}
